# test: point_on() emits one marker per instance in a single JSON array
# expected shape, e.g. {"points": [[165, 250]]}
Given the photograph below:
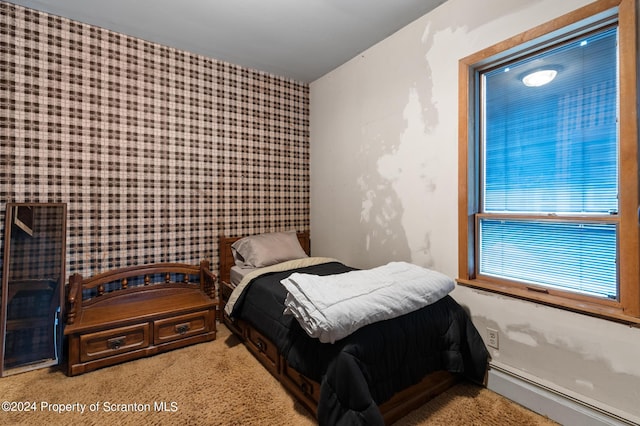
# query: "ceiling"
{"points": [[297, 39]]}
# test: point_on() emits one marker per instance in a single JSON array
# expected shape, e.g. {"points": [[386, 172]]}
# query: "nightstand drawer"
{"points": [[178, 327], [112, 342]]}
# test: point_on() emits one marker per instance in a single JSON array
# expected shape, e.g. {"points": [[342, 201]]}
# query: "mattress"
{"points": [[238, 273]]}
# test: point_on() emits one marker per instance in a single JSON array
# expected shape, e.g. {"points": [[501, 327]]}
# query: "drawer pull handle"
{"points": [[115, 343], [261, 345], [304, 388], [182, 328]]}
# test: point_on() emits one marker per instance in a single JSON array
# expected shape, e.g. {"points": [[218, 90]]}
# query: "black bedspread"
{"points": [[366, 368]]}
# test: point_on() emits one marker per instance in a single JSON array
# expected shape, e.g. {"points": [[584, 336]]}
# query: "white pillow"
{"points": [[261, 250]]}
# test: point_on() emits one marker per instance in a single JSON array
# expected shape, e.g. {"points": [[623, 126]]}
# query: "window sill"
{"points": [[579, 306]]}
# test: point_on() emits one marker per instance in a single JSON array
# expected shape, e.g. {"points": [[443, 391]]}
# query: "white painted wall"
{"points": [[384, 187]]}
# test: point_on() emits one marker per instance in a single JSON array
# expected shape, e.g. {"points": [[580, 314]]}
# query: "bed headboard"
{"points": [[226, 257]]}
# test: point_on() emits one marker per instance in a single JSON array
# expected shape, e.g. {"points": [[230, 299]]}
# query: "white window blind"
{"points": [[553, 151], [579, 257]]}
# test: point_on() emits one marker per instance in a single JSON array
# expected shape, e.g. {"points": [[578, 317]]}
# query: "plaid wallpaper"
{"points": [[156, 151]]}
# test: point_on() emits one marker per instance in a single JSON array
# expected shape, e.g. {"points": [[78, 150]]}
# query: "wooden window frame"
{"points": [[594, 15]]}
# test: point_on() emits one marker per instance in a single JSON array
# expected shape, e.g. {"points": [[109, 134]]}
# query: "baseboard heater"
{"points": [[553, 403]]}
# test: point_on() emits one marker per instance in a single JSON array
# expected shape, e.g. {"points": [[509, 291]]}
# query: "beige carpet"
{"points": [[215, 383]]}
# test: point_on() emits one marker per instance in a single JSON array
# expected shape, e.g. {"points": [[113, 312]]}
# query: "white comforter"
{"points": [[332, 307]]}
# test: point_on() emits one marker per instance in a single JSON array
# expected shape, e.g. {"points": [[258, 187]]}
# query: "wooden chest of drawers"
{"points": [[140, 322], [110, 344]]}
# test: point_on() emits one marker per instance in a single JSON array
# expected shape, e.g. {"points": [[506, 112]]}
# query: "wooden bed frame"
{"points": [[307, 391]]}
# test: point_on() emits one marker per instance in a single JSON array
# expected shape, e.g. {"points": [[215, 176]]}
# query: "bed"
{"points": [[375, 375]]}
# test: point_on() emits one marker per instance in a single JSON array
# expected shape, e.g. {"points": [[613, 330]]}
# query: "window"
{"points": [[549, 164]]}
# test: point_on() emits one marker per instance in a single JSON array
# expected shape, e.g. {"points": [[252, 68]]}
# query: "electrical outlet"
{"points": [[492, 338]]}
